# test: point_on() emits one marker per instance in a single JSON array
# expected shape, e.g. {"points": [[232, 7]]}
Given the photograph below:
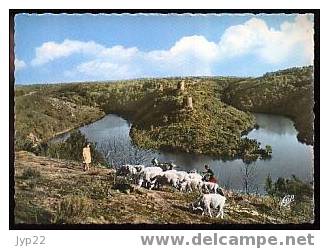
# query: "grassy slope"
{"points": [[63, 193]]}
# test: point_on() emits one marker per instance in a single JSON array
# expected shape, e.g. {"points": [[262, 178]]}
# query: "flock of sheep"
{"points": [[161, 174]]}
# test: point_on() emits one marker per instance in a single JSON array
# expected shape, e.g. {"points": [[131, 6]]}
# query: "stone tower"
{"points": [[181, 86], [189, 103]]}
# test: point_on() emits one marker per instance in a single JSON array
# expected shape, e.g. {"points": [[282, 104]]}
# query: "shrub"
{"points": [[30, 173], [285, 186], [100, 190], [73, 209], [71, 149]]}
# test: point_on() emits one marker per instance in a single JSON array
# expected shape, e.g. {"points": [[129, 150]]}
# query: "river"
{"points": [[289, 156]]}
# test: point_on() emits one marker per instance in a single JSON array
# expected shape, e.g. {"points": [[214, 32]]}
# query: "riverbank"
{"points": [[289, 156], [68, 130], [58, 191]]}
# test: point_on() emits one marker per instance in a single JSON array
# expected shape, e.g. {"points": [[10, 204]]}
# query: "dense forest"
{"points": [[194, 114], [287, 92]]}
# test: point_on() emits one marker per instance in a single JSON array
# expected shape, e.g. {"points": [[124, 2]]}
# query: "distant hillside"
{"points": [[39, 116], [287, 92], [159, 112]]}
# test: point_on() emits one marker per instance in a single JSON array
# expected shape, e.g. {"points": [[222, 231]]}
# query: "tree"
{"points": [[248, 171], [118, 151], [269, 185], [71, 149], [268, 149], [288, 186]]}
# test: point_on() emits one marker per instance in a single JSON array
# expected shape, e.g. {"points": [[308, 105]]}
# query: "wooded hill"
{"points": [[287, 92], [159, 112]]}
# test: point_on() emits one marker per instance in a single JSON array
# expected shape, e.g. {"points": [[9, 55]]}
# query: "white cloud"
{"points": [[50, 51], [105, 69], [274, 46], [118, 53], [190, 55], [19, 64], [241, 39], [197, 46]]}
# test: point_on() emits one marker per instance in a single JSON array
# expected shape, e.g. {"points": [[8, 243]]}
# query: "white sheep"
{"points": [[165, 166], [184, 186], [129, 169], [147, 174], [195, 176], [165, 178], [182, 175], [152, 169], [210, 187], [190, 185], [208, 201]]}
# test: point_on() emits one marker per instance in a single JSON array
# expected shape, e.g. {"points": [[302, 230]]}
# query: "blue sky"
{"points": [[68, 48]]}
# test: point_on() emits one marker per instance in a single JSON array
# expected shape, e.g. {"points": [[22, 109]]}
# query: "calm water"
{"points": [[289, 155]]}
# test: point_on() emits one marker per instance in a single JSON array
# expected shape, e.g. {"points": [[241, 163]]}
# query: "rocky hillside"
{"points": [[58, 191]]}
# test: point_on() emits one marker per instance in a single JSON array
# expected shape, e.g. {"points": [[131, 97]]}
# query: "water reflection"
{"points": [[289, 156], [277, 125]]}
